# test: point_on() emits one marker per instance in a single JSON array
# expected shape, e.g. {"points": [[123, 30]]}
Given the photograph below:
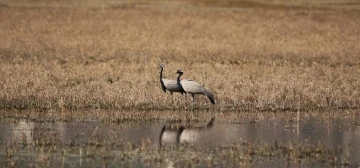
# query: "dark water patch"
{"points": [[278, 142]]}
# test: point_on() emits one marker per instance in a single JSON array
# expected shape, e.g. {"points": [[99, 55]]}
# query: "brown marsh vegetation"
{"points": [[86, 55], [279, 55]]}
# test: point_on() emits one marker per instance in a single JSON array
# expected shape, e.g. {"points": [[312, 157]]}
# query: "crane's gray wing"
{"points": [[191, 86], [172, 85], [195, 88]]}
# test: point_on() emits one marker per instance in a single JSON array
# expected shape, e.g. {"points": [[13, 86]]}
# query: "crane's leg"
{"points": [[172, 97], [192, 104], [193, 98]]}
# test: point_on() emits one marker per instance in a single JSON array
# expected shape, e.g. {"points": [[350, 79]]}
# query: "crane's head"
{"points": [[179, 72], [162, 66]]}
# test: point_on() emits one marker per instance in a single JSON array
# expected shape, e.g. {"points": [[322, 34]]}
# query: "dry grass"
{"points": [[250, 56]]}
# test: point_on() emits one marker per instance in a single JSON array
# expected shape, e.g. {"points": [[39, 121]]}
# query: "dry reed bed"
{"points": [[251, 58]]}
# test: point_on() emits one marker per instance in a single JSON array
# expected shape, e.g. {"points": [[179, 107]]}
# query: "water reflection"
{"points": [[334, 133], [25, 131], [19, 131], [175, 134]]}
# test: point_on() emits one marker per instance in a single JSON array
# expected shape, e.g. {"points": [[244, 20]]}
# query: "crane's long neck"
{"points": [[179, 83], [161, 73], [161, 81], [178, 78]]}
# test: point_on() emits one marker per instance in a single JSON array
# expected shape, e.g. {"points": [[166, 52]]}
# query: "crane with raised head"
{"points": [[169, 85]]}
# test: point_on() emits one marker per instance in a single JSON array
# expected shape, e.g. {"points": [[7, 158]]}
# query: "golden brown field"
{"points": [[284, 55]]}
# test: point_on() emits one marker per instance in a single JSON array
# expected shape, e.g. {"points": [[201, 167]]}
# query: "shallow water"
{"points": [[335, 133]]}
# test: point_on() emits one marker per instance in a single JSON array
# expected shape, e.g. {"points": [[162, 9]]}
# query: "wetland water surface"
{"points": [[276, 141]]}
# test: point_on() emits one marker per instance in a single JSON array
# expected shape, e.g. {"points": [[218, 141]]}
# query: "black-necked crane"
{"points": [[169, 85], [193, 87]]}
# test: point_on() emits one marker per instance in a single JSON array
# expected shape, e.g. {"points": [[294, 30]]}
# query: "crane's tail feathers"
{"points": [[210, 96]]}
